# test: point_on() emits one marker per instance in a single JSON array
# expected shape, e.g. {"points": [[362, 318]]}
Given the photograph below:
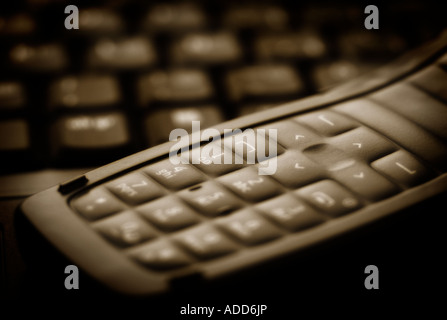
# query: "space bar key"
{"points": [[405, 133]]}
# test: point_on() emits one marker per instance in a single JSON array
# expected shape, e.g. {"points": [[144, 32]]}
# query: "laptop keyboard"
{"points": [[134, 71]]}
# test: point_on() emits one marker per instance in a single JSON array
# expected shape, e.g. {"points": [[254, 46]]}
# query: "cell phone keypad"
{"points": [[329, 163]]}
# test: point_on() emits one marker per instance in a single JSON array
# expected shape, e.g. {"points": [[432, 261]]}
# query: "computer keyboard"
{"points": [[134, 71], [74, 100]]}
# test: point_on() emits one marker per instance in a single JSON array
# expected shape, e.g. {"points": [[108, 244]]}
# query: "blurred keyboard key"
{"points": [[88, 137], [370, 45], [93, 131], [43, 57], [122, 54], [14, 135], [85, 91], [159, 124], [320, 15], [173, 86], [174, 17], [206, 48], [326, 75], [17, 25], [12, 95], [297, 45], [263, 81], [99, 21], [256, 16]]}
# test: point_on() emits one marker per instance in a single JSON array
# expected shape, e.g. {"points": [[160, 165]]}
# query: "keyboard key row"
{"points": [[176, 86], [211, 198]]}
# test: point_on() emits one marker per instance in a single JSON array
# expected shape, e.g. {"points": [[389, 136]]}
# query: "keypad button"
{"points": [[329, 197], [416, 105], [248, 227], [249, 185], [326, 122], [210, 199], [363, 143], [125, 229], [405, 133], [261, 81], [214, 159], [403, 168], [85, 91], [168, 213], [253, 145], [290, 213], [97, 203], [329, 156], [293, 169], [160, 255], [365, 181], [432, 79], [205, 242], [292, 135], [134, 188], [174, 176]]}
